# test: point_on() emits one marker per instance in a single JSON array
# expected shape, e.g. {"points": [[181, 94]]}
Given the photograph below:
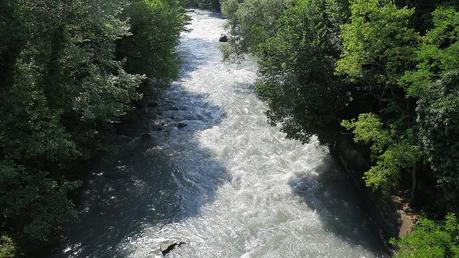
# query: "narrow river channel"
{"points": [[223, 181]]}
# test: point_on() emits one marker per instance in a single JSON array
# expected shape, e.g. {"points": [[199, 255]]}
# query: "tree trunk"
{"points": [[413, 183]]}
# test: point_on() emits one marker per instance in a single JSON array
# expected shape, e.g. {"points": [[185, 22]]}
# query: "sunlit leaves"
{"points": [[378, 42], [437, 55], [369, 129], [7, 247], [431, 239], [393, 151]]}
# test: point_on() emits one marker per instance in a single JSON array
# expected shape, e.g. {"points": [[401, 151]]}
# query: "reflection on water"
{"points": [[223, 181]]}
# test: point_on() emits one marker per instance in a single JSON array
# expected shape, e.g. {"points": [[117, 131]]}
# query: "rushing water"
{"points": [[227, 184]]}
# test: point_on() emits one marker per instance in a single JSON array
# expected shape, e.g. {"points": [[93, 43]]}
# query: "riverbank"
{"points": [[391, 214]]}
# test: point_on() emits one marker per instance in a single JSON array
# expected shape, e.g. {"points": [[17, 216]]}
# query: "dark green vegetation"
{"points": [[382, 71], [431, 240], [71, 70]]}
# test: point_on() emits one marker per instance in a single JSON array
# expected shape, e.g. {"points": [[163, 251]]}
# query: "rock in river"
{"points": [[169, 246], [223, 38], [181, 125]]}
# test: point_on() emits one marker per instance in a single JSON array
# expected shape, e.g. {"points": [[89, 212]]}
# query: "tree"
{"points": [[378, 46], [438, 118], [434, 81], [251, 22], [393, 153], [377, 43], [437, 54], [296, 70], [155, 31]]}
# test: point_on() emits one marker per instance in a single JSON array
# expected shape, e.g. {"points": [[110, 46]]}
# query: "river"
{"points": [[226, 183]]}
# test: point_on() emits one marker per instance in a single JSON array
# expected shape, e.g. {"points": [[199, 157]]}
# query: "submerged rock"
{"points": [[169, 246], [223, 38], [181, 125]]}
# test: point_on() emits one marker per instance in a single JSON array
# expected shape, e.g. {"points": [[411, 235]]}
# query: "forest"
{"points": [[384, 73], [71, 70]]}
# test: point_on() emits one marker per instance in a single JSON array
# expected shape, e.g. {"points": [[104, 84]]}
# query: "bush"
{"points": [[431, 240], [7, 247]]}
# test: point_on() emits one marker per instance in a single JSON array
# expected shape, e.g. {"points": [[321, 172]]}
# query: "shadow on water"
{"points": [[167, 179], [338, 205]]}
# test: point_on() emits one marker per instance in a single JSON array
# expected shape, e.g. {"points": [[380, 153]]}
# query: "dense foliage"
{"points": [[137, 49], [297, 61], [70, 71], [431, 240], [384, 70], [7, 247]]}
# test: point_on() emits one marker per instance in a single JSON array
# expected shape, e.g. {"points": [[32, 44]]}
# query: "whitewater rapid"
{"points": [[227, 183]]}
